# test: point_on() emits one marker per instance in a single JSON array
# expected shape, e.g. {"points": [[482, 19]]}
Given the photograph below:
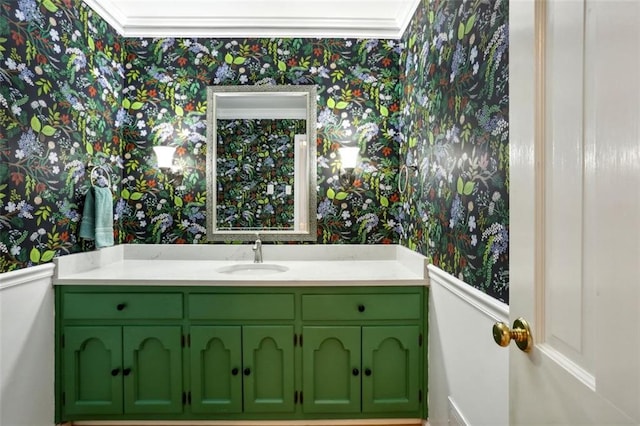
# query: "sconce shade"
{"points": [[349, 156], [164, 155]]}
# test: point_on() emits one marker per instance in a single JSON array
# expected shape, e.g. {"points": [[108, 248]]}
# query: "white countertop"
{"points": [[199, 265]]}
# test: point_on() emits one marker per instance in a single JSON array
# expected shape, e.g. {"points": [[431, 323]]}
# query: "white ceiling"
{"points": [[383, 19]]}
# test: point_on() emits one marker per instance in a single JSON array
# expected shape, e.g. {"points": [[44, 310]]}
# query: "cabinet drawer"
{"points": [[241, 306], [361, 306], [122, 306]]}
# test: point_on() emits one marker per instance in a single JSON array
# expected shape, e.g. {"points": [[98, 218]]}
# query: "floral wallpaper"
{"points": [[456, 131], [358, 103], [75, 95], [61, 73], [253, 155]]}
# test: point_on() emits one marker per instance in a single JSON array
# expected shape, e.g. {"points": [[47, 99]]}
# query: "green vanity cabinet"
{"points": [[113, 369], [92, 370], [268, 369], [331, 369], [374, 369], [242, 369], [372, 366], [391, 369], [197, 353], [242, 353], [216, 369]]}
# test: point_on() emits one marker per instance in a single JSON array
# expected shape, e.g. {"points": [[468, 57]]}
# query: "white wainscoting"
{"points": [[27, 347], [468, 372]]}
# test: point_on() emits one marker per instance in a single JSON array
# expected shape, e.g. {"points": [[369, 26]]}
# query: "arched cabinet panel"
{"points": [[331, 369], [268, 369], [390, 362], [152, 368], [216, 369], [92, 365]]}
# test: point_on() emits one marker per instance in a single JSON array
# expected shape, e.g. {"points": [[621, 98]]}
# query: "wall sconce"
{"points": [[348, 160], [164, 155]]}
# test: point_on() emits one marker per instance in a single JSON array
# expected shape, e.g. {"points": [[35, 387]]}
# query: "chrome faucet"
{"points": [[257, 250]]}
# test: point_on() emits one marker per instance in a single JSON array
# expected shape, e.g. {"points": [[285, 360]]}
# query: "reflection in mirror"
{"points": [[261, 175]]}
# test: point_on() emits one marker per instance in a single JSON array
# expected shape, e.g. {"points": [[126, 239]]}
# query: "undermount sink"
{"points": [[253, 269]]}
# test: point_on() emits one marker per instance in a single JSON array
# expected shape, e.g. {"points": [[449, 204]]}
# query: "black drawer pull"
{"points": [[367, 371], [126, 371], [235, 371], [355, 372], [361, 308], [121, 306], [115, 372], [247, 371]]}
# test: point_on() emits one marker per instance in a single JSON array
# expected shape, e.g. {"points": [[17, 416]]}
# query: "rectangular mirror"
{"points": [[261, 163]]}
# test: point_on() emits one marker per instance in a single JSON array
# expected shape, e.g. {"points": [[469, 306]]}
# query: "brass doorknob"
{"points": [[521, 334]]}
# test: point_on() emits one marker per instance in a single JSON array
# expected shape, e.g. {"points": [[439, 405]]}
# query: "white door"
{"points": [[575, 210]]}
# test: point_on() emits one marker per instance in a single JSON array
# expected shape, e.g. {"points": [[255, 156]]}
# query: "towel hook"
{"points": [[94, 177]]}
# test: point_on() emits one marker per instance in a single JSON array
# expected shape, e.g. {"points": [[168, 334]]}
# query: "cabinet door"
{"points": [[391, 369], [268, 369], [331, 369], [216, 366], [92, 360], [152, 361]]}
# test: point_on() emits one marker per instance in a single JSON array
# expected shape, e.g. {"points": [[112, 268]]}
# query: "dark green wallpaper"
{"points": [[61, 76], [74, 95], [455, 122], [358, 103]]}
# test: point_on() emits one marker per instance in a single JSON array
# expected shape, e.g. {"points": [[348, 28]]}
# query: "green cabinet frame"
{"points": [[229, 353], [92, 365], [216, 369], [268, 369], [116, 370], [331, 369], [227, 359], [154, 356], [373, 369], [391, 368]]}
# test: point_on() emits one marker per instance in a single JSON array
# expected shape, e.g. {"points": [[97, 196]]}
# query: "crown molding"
{"points": [[109, 12], [391, 26]]}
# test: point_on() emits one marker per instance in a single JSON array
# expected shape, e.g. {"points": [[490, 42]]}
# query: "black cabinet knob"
{"points": [[247, 371], [126, 371], [115, 372], [367, 371], [235, 371], [121, 306], [361, 308], [355, 371]]}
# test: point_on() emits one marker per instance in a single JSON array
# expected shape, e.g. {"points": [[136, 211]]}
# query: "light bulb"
{"points": [[349, 156], [165, 156]]}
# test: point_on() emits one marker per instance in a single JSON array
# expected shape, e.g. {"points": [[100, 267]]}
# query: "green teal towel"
{"points": [[97, 217], [87, 225]]}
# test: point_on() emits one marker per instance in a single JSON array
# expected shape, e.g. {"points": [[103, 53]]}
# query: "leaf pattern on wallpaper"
{"points": [[252, 155], [74, 94], [61, 70], [358, 103], [456, 125]]}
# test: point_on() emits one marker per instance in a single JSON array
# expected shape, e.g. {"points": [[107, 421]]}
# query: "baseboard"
{"points": [[362, 422], [456, 418]]}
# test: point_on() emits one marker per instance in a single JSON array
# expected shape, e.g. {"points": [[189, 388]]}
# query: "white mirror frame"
{"points": [[305, 192]]}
